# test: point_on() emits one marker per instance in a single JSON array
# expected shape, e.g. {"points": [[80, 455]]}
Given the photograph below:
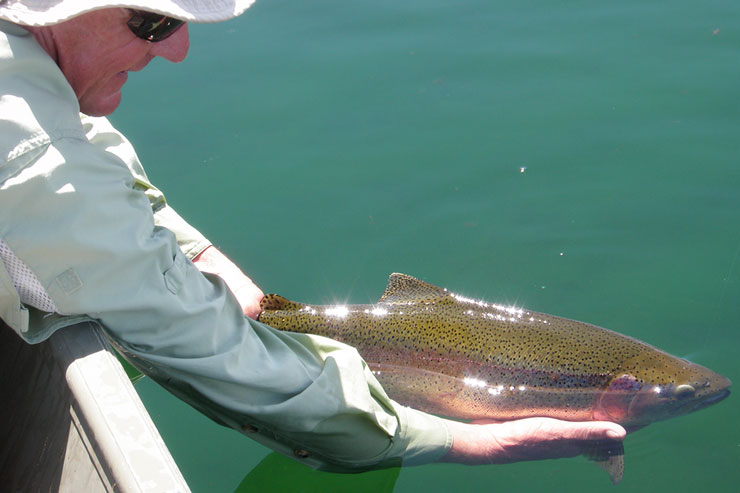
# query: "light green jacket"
{"points": [[77, 208]]}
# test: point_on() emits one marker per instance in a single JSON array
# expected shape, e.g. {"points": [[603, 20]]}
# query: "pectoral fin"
{"points": [[614, 402], [608, 455]]}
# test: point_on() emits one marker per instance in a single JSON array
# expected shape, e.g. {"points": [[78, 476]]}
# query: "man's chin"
{"points": [[101, 106]]}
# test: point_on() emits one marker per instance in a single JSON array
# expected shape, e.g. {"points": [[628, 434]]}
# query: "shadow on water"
{"points": [[279, 473]]}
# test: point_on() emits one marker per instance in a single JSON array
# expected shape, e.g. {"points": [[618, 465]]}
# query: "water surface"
{"points": [[578, 158]]}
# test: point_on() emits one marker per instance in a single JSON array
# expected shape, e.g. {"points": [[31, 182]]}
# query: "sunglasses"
{"points": [[152, 27]]}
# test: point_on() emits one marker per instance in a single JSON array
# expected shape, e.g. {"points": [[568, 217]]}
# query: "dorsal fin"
{"points": [[403, 288], [277, 302]]}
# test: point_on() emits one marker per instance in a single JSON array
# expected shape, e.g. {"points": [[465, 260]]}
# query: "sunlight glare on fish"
{"points": [[337, 311], [513, 311], [379, 312], [492, 316], [496, 390], [474, 382], [463, 299]]}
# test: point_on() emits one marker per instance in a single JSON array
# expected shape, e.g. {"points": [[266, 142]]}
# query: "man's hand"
{"points": [[211, 260], [526, 439]]}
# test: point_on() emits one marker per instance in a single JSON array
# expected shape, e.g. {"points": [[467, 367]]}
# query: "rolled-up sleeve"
{"points": [[77, 209]]}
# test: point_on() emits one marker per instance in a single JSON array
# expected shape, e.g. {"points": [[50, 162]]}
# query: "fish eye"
{"points": [[684, 390]]}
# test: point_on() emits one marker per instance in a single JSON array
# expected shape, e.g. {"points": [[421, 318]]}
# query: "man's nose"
{"points": [[174, 48]]}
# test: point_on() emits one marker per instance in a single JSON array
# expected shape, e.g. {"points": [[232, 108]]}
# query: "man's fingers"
{"points": [[590, 430], [527, 439]]}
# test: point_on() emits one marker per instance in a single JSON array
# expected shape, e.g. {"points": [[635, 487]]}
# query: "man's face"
{"points": [[95, 51]]}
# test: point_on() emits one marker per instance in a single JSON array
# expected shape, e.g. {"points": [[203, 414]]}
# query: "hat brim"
{"points": [[48, 12]]}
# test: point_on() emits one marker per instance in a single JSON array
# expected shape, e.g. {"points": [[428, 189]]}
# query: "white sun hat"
{"points": [[47, 12]]}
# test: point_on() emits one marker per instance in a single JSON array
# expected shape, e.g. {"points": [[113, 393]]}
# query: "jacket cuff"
{"points": [[422, 437]]}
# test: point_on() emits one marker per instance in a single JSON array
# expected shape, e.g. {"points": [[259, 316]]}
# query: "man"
{"points": [[85, 236]]}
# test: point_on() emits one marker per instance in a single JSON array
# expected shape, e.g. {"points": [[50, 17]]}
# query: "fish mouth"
{"points": [[712, 399]]}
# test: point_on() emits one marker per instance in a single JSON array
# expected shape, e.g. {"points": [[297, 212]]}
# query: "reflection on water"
{"points": [[279, 473]]}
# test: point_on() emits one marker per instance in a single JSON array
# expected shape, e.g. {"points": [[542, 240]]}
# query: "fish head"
{"points": [[654, 393]]}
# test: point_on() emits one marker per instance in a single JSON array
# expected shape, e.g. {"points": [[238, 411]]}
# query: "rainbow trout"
{"points": [[453, 356]]}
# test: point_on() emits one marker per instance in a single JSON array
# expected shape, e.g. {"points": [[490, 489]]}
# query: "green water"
{"points": [[577, 158]]}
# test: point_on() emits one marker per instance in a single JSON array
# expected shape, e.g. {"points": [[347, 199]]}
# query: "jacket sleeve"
{"points": [[105, 245]]}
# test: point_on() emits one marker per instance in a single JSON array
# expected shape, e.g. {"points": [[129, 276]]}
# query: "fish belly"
{"points": [[473, 399]]}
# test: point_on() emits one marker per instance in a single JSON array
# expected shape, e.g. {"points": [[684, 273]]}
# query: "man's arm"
{"points": [[247, 293]]}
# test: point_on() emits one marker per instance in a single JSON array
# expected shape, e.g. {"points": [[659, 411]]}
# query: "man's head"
{"points": [[96, 43], [96, 50]]}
